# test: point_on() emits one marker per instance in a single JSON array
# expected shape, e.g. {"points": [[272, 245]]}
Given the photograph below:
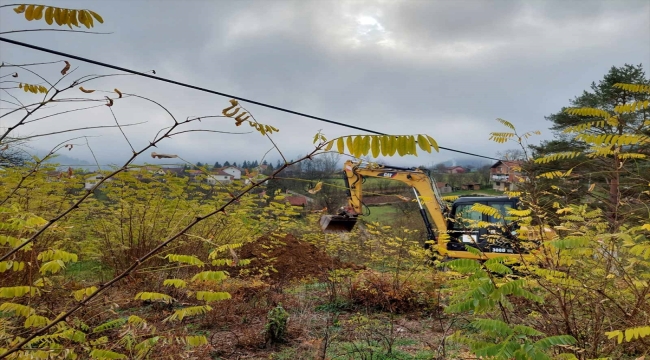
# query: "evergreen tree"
{"points": [[226, 164], [217, 165], [234, 163], [245, 165], [606, 170]]}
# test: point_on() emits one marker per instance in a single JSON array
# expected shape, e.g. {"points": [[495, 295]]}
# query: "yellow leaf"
{"points": [[357, 146], [89, 18], [63, 17], [424, 143], [348, 142], [316, 188], [57, 16], [72, 18], [49, 15], [38, 12], [591, 187], [433, 143], [384, 145], [412, 147], [375, 146], [392, 145], [82, 18], [329, 145], [19, 9], [401, 146], [366, 144], [29, 13], [96, 16], [340, 146]]}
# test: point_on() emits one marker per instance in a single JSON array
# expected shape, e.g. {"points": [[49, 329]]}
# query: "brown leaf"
{"points": [[110, 101], [163, 156], [15, 75], [118, 93], [86, 90], [66, 68]]}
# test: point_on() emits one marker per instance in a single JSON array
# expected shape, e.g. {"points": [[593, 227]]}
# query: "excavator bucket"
{"points": [[337, 223]]}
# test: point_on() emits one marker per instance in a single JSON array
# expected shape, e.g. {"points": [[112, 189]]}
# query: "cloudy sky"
{"points": [[445, 68]]}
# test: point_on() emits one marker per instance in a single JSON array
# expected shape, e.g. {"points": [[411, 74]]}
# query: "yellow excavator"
{"points": [[458, 219]]}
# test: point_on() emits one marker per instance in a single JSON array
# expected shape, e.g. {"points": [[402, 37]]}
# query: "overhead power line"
{"points": [[110, 66]]}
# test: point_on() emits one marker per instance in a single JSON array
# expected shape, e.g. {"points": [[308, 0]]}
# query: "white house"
{"points": [[221, 177], [236, 173], [92, 180]]}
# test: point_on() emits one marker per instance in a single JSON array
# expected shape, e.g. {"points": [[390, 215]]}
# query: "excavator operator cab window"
{"points": [[503, 210], [465, 217]]}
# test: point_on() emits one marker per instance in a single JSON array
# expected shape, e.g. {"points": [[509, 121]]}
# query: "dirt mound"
{"points": [[292, 259]]}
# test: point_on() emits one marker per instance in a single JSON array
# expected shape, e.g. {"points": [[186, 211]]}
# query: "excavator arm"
{"points": [[423, 188]]}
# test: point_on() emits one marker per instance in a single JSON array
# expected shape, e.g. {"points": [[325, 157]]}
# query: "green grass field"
{"points": [[386, 213], [382, 214]]}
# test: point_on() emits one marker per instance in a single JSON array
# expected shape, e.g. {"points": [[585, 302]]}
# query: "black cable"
{"points": [[34, 47]]}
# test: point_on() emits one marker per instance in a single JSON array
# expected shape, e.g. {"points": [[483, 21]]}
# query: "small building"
{"points": [[471, 186], [219, 177], [231, 170], [296, 200], [455, 170], [504, 175], [443, 187], [306, 198]]}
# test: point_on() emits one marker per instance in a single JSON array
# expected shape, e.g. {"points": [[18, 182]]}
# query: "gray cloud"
{"points": [[446, 68]]}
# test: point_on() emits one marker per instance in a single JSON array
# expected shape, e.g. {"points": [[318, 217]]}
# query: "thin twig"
{"points": [[122, 131]]}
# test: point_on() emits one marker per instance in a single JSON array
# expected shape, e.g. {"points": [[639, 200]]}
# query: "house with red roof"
{"points": [[504, 175]]}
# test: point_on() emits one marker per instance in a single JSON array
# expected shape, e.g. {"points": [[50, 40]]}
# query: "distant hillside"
{"points": [[468, 162]]}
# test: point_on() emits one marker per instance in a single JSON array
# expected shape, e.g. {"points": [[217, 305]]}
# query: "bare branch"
{"points": [[122, 131], [213, 131], [33, 64]]}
